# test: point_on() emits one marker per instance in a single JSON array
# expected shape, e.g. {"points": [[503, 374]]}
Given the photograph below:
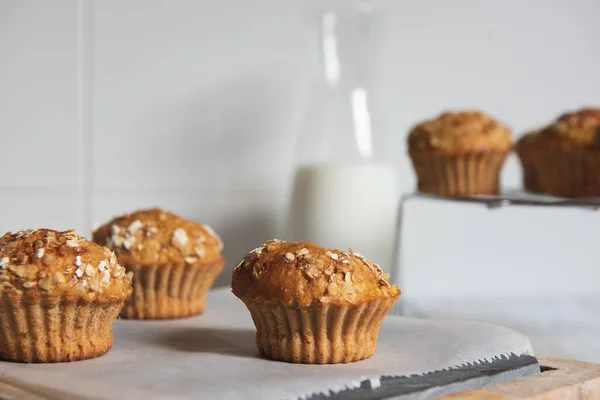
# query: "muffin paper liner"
{"points": [[45, 331], [169, 290], [459, 175], [568, 172], [318, 334], [530, 164]]}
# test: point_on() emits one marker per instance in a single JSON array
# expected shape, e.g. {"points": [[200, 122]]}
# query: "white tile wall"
{"points": [[202, 107], [38, 113], [38, 101], [196, 107]]}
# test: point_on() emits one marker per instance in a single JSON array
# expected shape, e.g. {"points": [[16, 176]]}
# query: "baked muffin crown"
{"points": [[460, 131], [528, 138], [156, 236], [304, 273], [46, 263], [577, 128]]}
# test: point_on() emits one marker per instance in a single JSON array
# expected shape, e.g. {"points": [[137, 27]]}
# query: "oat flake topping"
{"points": [[155, 236], [304, 273], [44, 262]]}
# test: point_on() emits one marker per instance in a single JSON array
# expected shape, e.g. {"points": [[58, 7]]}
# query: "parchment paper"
{"points": [[214, 356]]}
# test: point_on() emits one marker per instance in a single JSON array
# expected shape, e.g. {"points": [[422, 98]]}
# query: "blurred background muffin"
{"points": [[459, 153], [60, 296], [528, 156], [311, 304], [175, 261], [563, 158]]}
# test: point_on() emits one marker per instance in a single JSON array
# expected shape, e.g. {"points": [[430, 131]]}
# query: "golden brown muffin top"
{"points": [[527, 139], [43, 263], [578, 128], [155, 236], [304, 273], [462, 131]]}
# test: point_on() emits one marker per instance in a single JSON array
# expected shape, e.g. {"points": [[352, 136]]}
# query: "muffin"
{"points": [[459, 153], [564, 156], [527, 153], [311, 304], [174, 262], [60, 296]]}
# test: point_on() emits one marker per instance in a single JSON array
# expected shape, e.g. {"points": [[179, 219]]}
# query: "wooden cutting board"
{"points": [[560, 379]]}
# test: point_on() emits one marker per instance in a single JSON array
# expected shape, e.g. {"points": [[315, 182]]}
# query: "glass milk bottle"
{"points": [[344, 193]]}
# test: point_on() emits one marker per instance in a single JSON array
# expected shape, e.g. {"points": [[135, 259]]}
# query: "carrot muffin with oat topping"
{"points": [[563, 158], [60, 296], [528, 156], [175, 261], [311, 304], [459, 153]]}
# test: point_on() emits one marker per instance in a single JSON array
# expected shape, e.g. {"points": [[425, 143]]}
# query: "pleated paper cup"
{"points": [[531, 166], [458, 175], [568, 172], [49, 331], [318, 334], [166, 291]]}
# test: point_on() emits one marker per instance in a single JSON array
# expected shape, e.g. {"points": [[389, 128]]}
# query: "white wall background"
{"points": [[194, 106]]}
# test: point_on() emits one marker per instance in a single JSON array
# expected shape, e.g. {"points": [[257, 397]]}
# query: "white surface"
{"points": [[468, 252], [197, 100], [564, 327], [345, 206], [215, 356]]}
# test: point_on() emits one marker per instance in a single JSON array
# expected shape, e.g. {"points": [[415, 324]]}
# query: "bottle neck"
{"points": [[338, 125], [345, 36]]}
